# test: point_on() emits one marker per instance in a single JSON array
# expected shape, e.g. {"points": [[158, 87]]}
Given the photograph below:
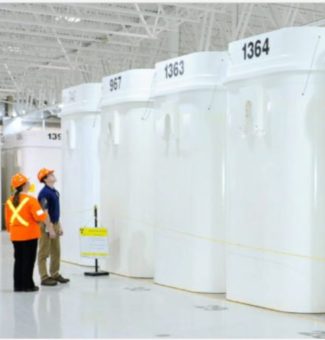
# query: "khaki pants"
{"points": [[49, 248]]}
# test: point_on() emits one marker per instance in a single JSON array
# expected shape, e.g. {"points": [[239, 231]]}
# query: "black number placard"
{"points": [[115, 83], [255, 49], [54, 136], [174, 69]]}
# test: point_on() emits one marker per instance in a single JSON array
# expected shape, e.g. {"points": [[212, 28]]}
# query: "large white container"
{"points": [[80, 123], [275, 165], [2, 226], [28, 152], [189, 170], [127, 153]]}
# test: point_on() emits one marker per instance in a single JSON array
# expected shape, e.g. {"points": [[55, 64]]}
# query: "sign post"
{"points": [[94, 244]]}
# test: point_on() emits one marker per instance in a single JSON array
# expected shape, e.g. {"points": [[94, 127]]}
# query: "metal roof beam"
{"points": [[9, 90], [272, 16], [64, 37], [209, 8], [203, 29], [71, 64], [209, 31], [40, 34], [73, 28], [32, 43], [25, 57], [82, 16], [246, 21], [292, 16], [134, 13], [320, 22], [143, 20]]}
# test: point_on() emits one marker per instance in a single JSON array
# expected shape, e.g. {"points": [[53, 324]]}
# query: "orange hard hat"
{"points": [[18, 180], [43, 173]]}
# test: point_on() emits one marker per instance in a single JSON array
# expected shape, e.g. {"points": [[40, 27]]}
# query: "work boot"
{"points": [[49, 282], [18, 290], [60, 279], [34, 289]]}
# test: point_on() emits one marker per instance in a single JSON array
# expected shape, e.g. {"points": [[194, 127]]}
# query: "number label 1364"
{"points": [[256, 49]]}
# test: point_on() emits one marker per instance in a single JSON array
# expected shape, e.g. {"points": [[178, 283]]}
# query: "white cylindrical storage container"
{"points": [[275, 186], [28, 152], [2, 227], [80, 123], [126, 165], [189, 170]]}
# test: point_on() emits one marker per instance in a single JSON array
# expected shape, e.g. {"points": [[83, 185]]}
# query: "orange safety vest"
{"points": [[22, 222]]}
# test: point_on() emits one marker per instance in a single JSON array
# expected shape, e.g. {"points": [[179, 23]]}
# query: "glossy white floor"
{"points": [[120, 307]]}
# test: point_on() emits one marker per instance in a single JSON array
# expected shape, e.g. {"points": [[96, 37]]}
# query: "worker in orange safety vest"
{"points": [[22, 215]]}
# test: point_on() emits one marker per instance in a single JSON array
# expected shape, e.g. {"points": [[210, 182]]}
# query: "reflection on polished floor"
{"points": [[119, 307]]}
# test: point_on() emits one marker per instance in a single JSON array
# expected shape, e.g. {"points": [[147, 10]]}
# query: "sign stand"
{"points": [[97, 272]]}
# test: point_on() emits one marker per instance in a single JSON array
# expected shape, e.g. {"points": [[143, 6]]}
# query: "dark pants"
{"points": [[25, 257]]}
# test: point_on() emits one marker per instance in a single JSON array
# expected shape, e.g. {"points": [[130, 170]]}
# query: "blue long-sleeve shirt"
{"points": [[49, 199]]}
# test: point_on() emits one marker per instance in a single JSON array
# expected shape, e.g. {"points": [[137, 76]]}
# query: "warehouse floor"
{"points": [[119, 307]]}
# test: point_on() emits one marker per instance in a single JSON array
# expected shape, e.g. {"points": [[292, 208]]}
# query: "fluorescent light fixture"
{"points": [[13, 49], [8, 90], [68, 18]]}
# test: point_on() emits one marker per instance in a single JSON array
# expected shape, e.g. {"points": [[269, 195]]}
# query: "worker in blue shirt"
{"points": [[49, 245]]}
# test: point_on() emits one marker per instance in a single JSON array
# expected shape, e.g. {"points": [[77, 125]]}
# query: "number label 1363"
{"points": [[256, 49], [174, 69]]}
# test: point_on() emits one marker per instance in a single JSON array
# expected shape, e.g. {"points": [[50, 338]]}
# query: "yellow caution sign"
{"points": [[100, 232], [93, 242]]}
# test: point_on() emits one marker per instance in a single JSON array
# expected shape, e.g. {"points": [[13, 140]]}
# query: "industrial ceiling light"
{"points": [[73, 19], [68, 18], [13, 49]]}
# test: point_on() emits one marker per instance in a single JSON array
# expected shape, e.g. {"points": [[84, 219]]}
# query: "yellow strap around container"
{"points": [[245, 246]]}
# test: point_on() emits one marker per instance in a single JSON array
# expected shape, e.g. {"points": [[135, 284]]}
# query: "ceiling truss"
{"points": [[45, 47]]}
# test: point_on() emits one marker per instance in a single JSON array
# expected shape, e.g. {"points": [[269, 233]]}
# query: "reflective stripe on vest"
{"points": [[16, 211]]}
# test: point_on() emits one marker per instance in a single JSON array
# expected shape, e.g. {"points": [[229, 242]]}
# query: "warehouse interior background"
{"points": [[56, 64], [46, 47]]}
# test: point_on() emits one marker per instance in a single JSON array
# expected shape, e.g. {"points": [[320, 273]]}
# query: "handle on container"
{"points": [[71, 135], [254, 112], [18, 158], [113, 129]]}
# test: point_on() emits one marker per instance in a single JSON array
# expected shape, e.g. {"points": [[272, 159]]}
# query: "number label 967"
{"points": [[256, 49], [115, 83]]}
